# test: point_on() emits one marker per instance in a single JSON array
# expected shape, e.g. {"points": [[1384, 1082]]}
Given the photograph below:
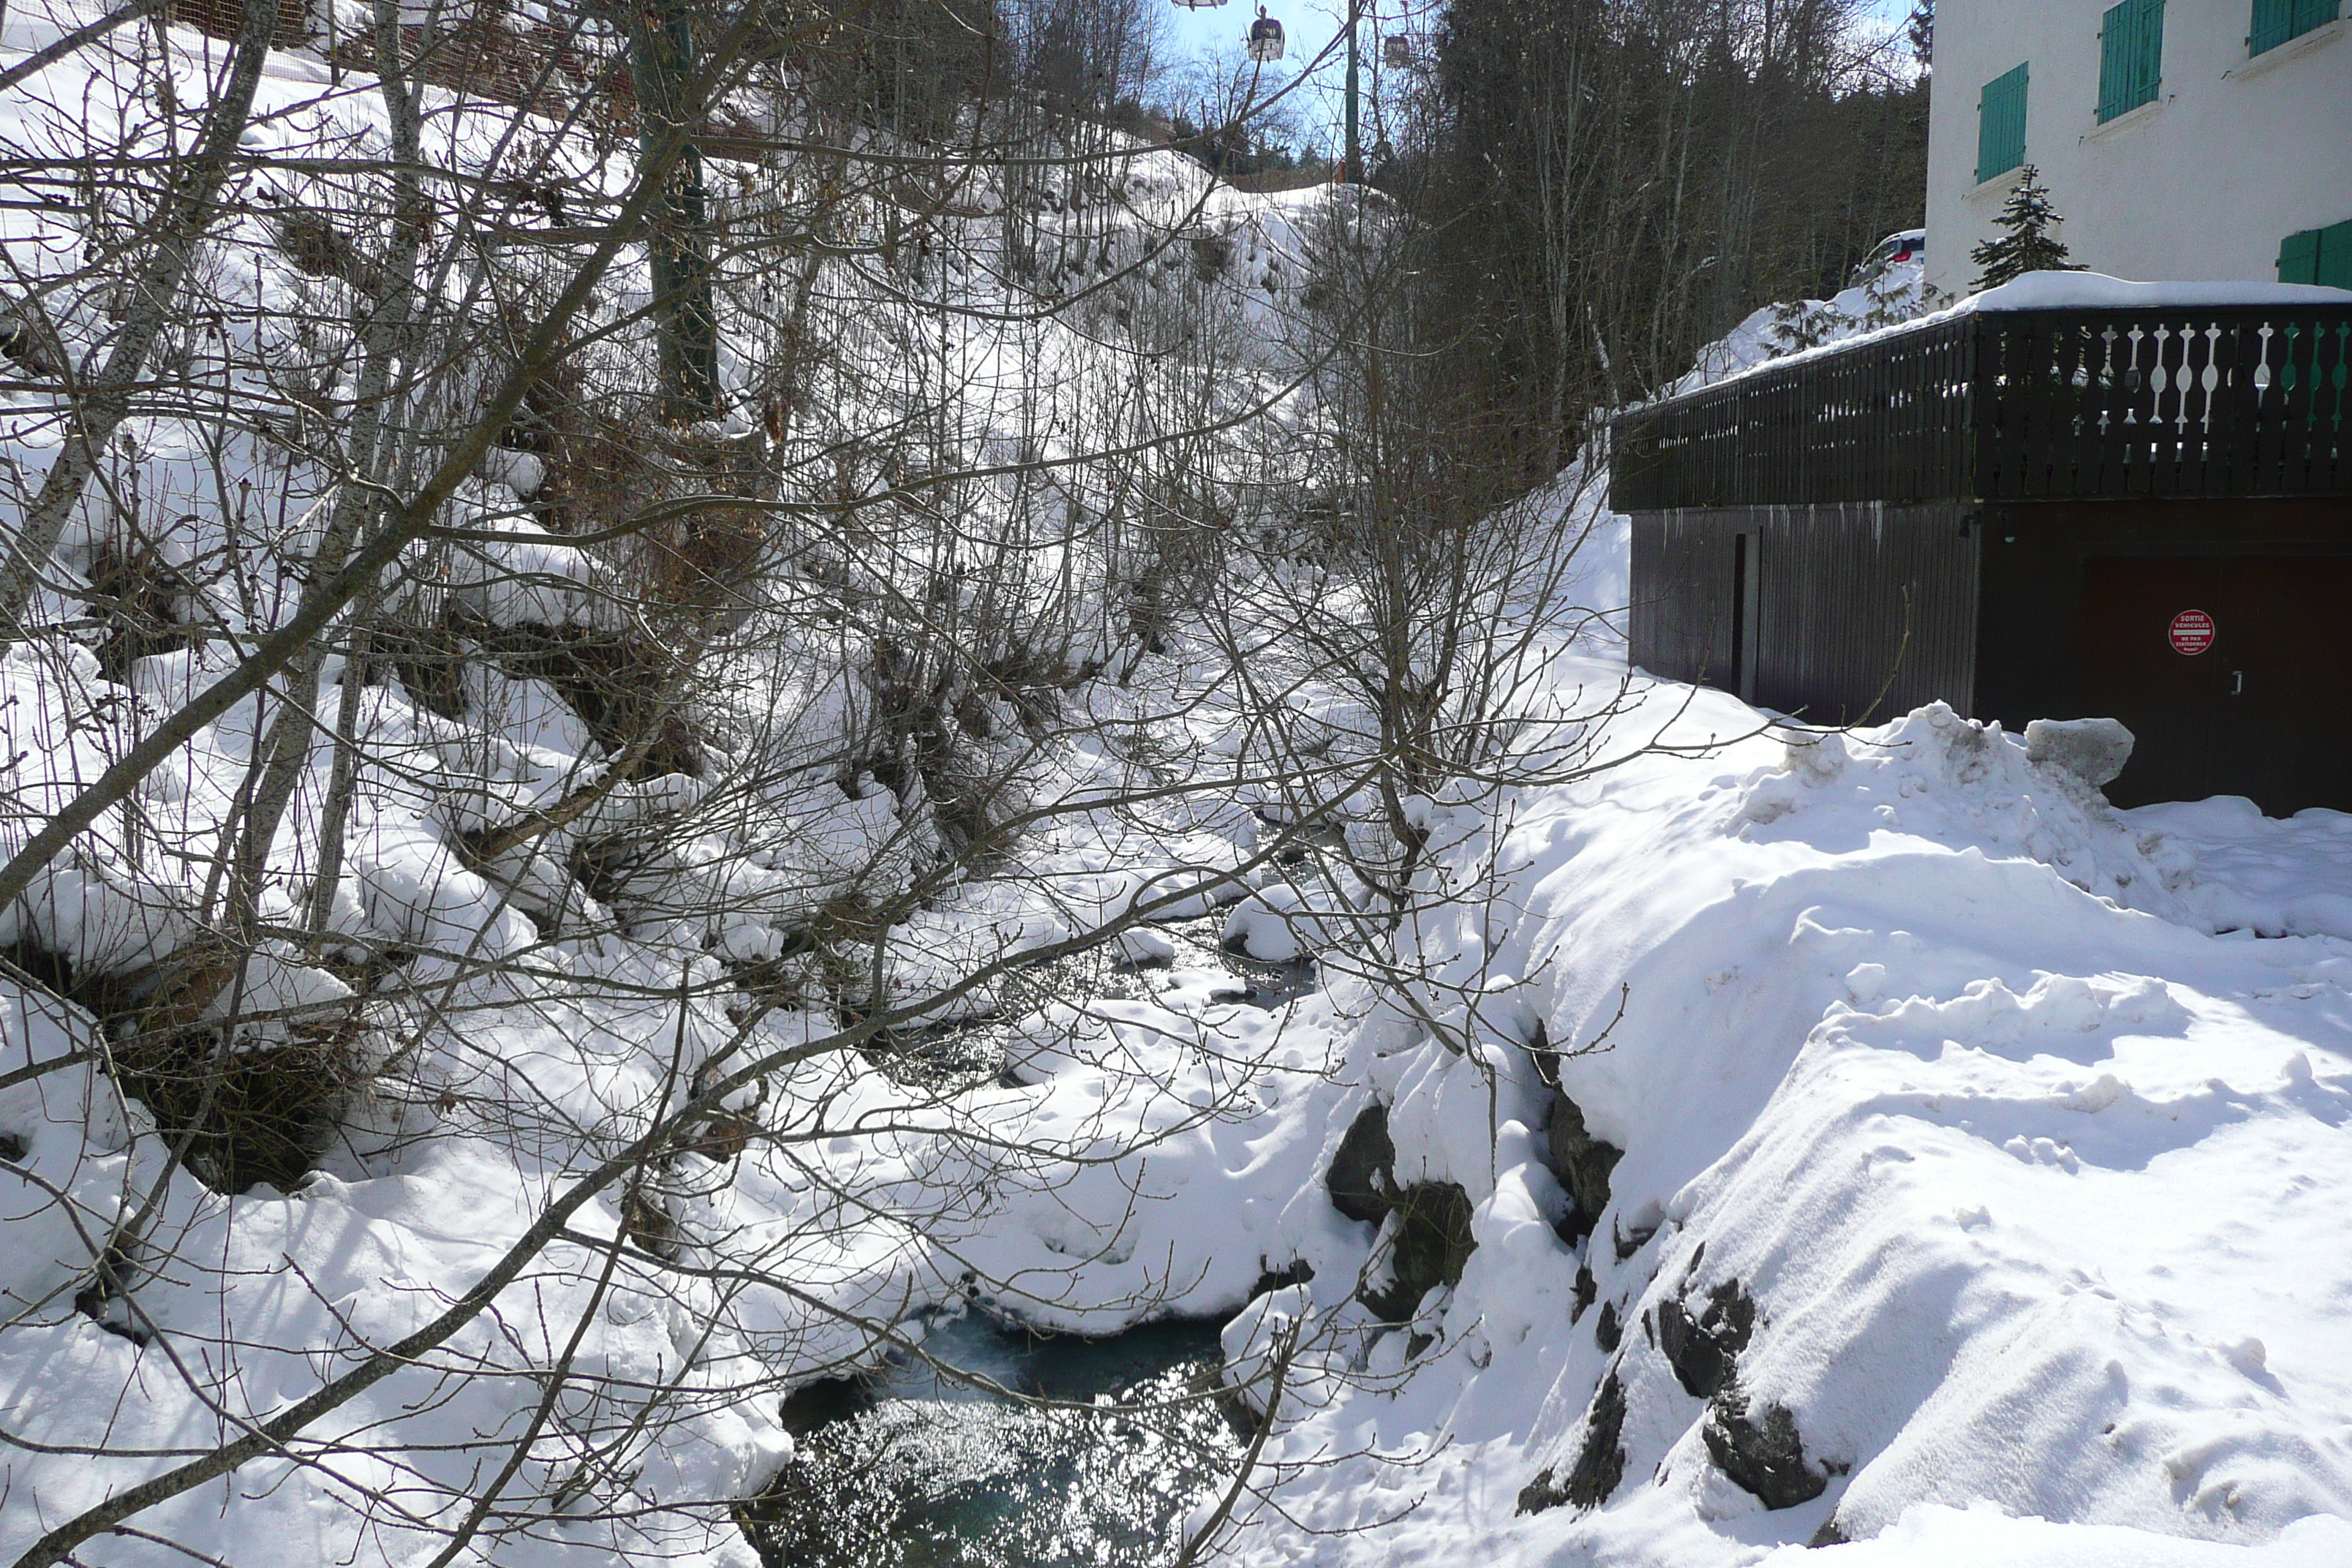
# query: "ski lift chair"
{"points": [[1265, 38]]}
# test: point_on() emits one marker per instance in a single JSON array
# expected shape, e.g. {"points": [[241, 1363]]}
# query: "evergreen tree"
{"points": [[2028, 246], [1921, 31], [1568, 277]]}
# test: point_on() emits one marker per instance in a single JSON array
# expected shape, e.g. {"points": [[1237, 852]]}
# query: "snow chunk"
{"points": [[1281, 921]]}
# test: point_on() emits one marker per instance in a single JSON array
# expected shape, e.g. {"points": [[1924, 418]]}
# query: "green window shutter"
{"points": [[2276, 21], [2001, 125], [2131, 57], [2334, 261], [2298, 258], [2318, 256]]}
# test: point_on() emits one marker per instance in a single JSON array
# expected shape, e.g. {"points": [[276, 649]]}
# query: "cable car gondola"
{"points": [[1396, 51], [1196, 4], [1265, 38]]}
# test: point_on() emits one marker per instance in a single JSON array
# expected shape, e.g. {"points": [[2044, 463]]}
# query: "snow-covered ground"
{"points": [[1982, 1149], [518, 1031], [2024, 1127]]}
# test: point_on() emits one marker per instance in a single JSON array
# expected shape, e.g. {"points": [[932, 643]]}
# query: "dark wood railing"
{"points": [[2234, 400]]}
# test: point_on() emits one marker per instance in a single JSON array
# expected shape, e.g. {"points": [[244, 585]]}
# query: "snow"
{"points": [[2021, 1120], [2096, 291], [2027, 1158], [1896, 293], [1933, 1536], [532, 1028], [1281, 921], [2273, 877]]}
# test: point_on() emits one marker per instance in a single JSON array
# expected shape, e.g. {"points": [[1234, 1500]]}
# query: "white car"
{"points": [[1909, 245]]}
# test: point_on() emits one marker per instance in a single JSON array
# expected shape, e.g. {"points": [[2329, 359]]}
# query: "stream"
{"points": [[927, 1471], [903, 1468], [967, 1052]]}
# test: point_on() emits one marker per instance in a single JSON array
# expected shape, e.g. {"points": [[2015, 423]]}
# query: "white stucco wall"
{"points": [[2234, 154]]}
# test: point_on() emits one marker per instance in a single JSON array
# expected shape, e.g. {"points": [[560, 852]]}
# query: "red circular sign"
{"points": [[2191, 633]]}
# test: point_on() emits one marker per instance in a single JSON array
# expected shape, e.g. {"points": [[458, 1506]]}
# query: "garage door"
{"points": [[2233, 673]]}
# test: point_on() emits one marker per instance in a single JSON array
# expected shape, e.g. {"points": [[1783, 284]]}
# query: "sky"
{"points": [[1310, 26], [1310, 23]]}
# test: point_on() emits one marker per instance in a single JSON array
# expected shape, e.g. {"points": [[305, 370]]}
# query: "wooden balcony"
{"points": [[2088, 404]]}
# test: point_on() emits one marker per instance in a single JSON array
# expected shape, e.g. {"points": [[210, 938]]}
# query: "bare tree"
{"points": [[511, 675]]}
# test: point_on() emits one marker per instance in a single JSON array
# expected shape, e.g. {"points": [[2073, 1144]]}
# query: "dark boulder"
{"points": [[1429, 1246], [1705, 1350], [815, 1406], [1629, 1242], [1582, 1162], [1539, 1051], [1599, 1463], [1363, 1180], [1763, 1454], [1298, 1271]]}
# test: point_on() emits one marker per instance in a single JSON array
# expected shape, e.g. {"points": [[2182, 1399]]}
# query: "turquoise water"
{"points": [[909, 1467], [925, 1470]]}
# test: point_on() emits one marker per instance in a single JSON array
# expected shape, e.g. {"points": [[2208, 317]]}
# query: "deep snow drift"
{"points": [[1974, 1142]]}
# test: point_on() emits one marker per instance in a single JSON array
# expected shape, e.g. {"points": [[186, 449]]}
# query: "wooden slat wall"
{"points": [[1864, 611], [1681, 613]]}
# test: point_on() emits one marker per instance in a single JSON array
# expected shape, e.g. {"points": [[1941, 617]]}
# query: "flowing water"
{"points": [[1114, 1443], [1111, 1442]]}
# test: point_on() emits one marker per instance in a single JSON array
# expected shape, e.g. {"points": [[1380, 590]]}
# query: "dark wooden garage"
{"points": [[2142, 514]]}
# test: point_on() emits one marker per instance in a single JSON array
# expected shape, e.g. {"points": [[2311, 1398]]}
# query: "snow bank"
{"points": [[2096, 291], [2273, 877], [1940, 1076]]}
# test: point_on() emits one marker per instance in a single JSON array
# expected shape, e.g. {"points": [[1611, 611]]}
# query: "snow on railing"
{"points": [[2064, 384]]}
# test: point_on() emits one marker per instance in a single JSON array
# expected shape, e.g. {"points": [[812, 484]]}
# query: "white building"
{"points": [[2199, 140]]}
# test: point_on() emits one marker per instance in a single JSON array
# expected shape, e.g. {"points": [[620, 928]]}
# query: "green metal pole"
{"points": [[1355, 170]]}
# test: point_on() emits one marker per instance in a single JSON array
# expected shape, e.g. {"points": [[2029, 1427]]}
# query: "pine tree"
{"points": [[1921, 32], [2028, 246]]}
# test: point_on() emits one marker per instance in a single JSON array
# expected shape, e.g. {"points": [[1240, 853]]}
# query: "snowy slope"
{"points": [[2021, 1125], [1896, 294], [2033, 1177], [527, 1029]]}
